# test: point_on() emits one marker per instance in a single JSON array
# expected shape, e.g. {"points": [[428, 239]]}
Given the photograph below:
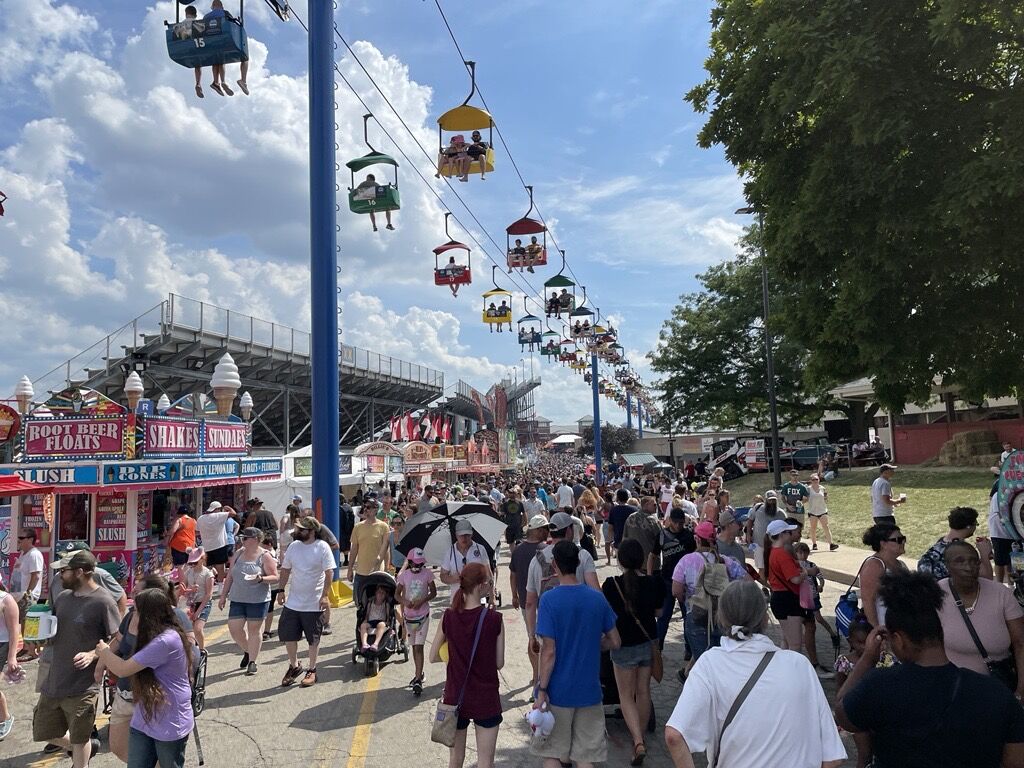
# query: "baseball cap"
{"points": [[726, 518], [416, 556], [705, 530], [537, 521], [183, 509], [69, 547], [560, 521], [297, 498], [309, 523], [888, 467], [770, 495], [775, 527], [83, 558], [252, 533], [463, 527], [214, 506], [194, 554]]}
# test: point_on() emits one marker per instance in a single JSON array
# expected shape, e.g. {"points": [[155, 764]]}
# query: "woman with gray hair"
{"points": [[749, 665]]}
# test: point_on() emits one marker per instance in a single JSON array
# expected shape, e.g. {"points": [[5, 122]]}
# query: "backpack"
{"points": [[711, 583], [548, 577]]}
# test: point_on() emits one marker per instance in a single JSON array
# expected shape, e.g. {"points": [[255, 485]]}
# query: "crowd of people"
{"points": [[922, 647]]}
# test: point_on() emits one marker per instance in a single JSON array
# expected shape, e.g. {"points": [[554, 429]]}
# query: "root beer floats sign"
{"points": [[127, 436]]}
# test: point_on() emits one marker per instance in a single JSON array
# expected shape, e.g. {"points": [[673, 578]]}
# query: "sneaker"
{"points": [[51, 749], [266, 635], [5, 727], [94, 745], [326, 631], [309, 679], [833, 547], [814, 547], [681, 674], [291, 675], [251, 669], [823, 674], [244, 662]]}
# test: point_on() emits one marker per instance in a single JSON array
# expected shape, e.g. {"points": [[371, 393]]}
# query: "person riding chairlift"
{"points": [[371, 183]]}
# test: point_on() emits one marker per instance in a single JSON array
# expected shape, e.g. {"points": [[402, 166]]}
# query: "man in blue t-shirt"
{"points": [[575, 623], [619, 514]]}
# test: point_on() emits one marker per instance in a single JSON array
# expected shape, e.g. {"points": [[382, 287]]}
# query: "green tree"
{"points": [[885, 144], [614, 440], [711, 356]]}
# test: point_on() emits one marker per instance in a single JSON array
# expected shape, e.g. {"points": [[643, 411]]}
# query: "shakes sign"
{"points": [[169, 436]]}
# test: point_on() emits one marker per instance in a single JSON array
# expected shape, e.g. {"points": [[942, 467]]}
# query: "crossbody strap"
{"points": [[472, 655], [630, 609], [743, 694], [967, 620]]}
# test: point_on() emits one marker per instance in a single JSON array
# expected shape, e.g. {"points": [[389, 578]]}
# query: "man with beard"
{"points": [[86, 614]]}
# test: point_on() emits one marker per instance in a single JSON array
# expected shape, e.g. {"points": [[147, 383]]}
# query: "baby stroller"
{"points": [[391, 643]]}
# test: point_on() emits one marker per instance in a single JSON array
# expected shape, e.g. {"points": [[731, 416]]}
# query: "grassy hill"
{"points": [[931, 493]]}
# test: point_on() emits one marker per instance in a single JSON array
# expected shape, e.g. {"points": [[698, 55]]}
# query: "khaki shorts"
{"points": [[578, 736], [121, 711], [42, 671], [759, 557], [73, 715]]}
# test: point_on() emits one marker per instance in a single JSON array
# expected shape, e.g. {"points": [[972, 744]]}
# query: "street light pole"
{"points": [[769, 343], [598, 472]]}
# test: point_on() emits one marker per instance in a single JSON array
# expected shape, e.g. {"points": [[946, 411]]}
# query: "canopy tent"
{"points": [[638, 459], [277, 494], [565, 439], [12, 485]]}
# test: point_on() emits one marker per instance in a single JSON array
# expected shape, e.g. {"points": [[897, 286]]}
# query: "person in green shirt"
{"points": [[794, 494]]}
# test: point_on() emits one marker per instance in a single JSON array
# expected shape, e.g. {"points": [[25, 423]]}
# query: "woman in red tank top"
{"points": [[182, 536]]}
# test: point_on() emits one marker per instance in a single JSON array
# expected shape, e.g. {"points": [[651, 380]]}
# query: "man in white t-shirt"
{"points": [[215, 538], [308, 570], [28, 583], [532, 505], [665, 497], [883, 505], [460, 554], [564, 498]]}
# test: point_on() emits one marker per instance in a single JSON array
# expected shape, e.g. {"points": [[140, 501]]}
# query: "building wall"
{"points": [[917, 443]]}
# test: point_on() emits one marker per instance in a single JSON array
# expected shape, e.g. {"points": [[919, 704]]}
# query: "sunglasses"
{"points": [[24, 537], [898, 540]]}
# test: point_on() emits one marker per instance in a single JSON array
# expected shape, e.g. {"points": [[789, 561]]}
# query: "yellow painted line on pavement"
{"points": [[361, 737], [47, 761]]}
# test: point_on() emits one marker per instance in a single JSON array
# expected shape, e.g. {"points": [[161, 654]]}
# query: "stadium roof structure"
{"points": [[176, 344]]}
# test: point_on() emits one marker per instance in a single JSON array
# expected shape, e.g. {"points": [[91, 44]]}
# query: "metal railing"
{"points": [[201, 318]]}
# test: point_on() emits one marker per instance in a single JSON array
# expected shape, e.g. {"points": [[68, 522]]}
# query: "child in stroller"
{"points": [[376, 613]]}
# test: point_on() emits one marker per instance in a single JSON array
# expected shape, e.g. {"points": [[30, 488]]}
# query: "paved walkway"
{"points": [[349, 721]]}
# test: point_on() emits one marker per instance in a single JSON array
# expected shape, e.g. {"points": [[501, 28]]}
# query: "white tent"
{"points": [[565, 439], [277, 494]]}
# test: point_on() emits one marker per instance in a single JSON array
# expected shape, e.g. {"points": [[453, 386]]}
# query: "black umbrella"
{"points": [[433, 531]]}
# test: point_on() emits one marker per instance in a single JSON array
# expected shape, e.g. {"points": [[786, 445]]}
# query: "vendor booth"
{"points": [[297, 480], [115, 476]]}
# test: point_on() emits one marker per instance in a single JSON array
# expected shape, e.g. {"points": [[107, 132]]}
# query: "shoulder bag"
{"points": [[446, 716], [1004, 670], [847, 609], [740, 698], [657, 662]]}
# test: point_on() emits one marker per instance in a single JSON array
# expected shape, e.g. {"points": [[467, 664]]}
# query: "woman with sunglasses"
{"points": [[888, 543]]}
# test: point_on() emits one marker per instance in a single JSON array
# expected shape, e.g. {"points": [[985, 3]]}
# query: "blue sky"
{"points": [[124, 186]]}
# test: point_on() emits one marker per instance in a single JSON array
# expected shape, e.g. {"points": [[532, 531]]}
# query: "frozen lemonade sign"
{"points": [[72, 438]]}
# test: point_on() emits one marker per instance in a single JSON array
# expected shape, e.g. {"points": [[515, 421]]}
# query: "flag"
{"points": [[396, 432], [410, 427], [448, 430], [438, 427]]}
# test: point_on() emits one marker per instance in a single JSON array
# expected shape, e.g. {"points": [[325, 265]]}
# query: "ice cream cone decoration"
{"points": [[133, 390], [24, 393], [245, 406], [226, 383], [163, 404]]}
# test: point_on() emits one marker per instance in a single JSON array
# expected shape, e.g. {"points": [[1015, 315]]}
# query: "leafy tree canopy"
{"points": [[614, 440], [884, 142]]}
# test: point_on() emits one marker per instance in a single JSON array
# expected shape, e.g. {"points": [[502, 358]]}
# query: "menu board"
{"points": [[375, 464], [33, 515], [144, 523], [73, 517], [111, 509]]}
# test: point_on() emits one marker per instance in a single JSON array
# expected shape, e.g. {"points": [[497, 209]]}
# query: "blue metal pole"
{"points": [[640, 418], [629, 410], [323, 264], [598, 471]]}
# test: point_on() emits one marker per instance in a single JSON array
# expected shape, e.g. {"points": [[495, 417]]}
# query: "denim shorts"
{"points": [[205, 615], [632, 656], [248, 611]]}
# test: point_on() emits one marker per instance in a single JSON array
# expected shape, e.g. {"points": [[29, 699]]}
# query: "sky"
{"points": [[124, 187]]}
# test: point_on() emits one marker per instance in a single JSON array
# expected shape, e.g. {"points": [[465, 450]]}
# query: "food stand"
{"points": [[117, 474]]}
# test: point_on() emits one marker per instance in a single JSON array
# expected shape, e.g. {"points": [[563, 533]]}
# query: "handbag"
{"points": [[1004, 670], [738, 702], [847, 609], [657, 662], [446, 716]]}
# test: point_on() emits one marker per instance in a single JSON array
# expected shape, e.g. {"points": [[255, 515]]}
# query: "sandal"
{"points": [[199, 92], [266, 635], [639, 753]]}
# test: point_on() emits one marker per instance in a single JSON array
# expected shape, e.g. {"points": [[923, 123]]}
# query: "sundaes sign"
{"points": [[225, 439]]}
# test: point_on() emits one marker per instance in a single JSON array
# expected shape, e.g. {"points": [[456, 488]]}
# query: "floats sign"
{"points": [[75, 437]]}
